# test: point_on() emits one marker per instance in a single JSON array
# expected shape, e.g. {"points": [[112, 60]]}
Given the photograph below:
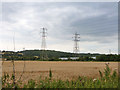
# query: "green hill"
{"points": [[54, 54], [32, 54]]}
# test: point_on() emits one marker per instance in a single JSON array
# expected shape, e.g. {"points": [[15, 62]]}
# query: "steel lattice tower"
{"points": [[76, 44], [43, 45]]}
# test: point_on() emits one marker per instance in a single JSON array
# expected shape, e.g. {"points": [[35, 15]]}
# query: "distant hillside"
{"points": [[54, 54], [33, 54]]}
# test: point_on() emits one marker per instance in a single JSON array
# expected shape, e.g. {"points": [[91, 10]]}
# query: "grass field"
{"points": [[60, 69]]}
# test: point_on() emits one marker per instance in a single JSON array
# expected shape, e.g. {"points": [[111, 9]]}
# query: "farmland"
{"points": [[60, 69]]}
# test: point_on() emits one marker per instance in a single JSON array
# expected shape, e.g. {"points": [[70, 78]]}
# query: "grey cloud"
{"points": [[94, 20]]}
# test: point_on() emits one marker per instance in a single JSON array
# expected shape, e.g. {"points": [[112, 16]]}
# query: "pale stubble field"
{"points": [[60, 69]]}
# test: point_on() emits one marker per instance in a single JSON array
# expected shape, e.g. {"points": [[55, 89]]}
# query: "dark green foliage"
{"points": [[107, 71], [114, 74], [108, 78], [55, 55], [109, 57], [101, 75], [30, 55]]}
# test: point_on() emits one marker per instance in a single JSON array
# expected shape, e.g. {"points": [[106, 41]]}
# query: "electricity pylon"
{"points": [[76, 44], [43, 45], [109, 51]]}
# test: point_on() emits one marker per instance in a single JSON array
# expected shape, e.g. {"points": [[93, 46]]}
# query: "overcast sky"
{"points": [[95, 22]]}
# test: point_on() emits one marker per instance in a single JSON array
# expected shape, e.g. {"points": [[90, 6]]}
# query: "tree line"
{"points": [[55, 55]]}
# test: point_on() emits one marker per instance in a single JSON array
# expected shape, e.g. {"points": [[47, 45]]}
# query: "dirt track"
{"points": [[63, 70]]}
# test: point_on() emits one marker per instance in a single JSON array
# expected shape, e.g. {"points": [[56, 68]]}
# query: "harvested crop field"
{"points": [[60, 69]]}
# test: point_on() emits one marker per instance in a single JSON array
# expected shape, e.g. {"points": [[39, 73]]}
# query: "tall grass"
{"points": [[107, 80], [50, 74]]}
